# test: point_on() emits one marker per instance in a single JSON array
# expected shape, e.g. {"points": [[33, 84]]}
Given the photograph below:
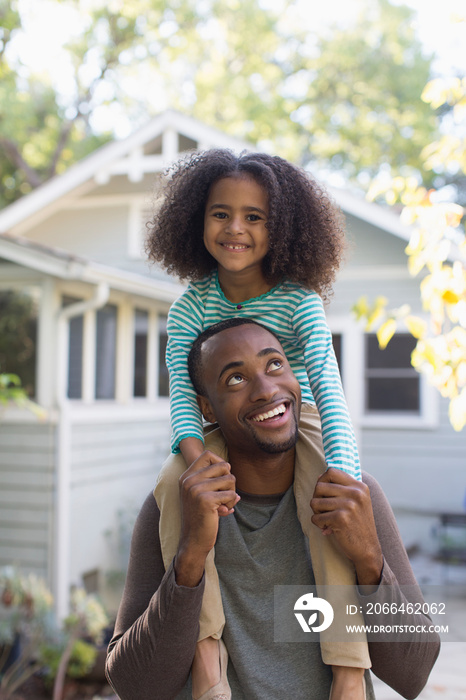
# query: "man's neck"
{"points": [[262, 474]]}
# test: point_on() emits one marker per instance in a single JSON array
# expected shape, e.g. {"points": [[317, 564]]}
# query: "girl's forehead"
{"points": [[236, 183]]}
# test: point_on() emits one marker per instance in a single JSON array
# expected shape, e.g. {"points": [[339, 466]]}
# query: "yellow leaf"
{"points": [[457, 411], [450, 297], [416, 326], [385, 332], [361, 308]]}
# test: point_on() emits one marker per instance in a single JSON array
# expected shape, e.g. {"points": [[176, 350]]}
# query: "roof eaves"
{"points": [[58, 263]]}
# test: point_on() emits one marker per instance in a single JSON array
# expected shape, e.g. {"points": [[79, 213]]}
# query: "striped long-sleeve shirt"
{"points": [[297, 316]]}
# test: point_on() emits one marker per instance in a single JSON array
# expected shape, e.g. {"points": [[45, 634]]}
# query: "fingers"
{"points": [[337, 476], [210, 479]]}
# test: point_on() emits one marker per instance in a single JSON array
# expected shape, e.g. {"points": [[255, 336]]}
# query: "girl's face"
{"points": [[235, 218]]}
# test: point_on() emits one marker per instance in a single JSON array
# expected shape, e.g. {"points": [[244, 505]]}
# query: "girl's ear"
{"points": [[206, 408]]}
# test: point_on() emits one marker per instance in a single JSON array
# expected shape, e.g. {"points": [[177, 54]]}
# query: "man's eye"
{"points": [[235, 379], [275, 364]]}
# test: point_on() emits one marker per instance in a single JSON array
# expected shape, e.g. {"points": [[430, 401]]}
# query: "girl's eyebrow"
{"points": [[227, 206]]}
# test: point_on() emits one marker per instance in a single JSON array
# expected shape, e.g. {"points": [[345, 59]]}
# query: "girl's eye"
{"points": [[235, 379], [253, 217], [275, 364], [220, 215]]}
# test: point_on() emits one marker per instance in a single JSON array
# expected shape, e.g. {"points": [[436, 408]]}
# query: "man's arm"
{"points": [[364, 527], [157, 626], [405, 666]]}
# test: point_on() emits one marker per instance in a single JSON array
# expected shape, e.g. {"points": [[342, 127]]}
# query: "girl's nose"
{"points": [[235, 226]]}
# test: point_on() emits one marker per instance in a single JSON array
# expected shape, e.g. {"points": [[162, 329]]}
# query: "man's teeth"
{"points": [[279, 410]]}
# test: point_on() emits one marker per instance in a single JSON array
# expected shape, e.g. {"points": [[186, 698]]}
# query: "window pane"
{"points": [[396, 354], [392, 394], [337, 346], [18, 336], [141, 329], [75, 358], [392, 384], [75, 352], [105, 352], [163, 371]]}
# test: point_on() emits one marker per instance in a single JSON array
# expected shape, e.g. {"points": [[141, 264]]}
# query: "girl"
{"points": [[256, 237]]}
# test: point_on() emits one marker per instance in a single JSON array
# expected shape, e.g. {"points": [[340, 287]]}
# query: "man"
{"points": [[246, 386]]}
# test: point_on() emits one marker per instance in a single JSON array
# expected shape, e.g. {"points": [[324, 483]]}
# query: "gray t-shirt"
{"points": [[261, 547]]}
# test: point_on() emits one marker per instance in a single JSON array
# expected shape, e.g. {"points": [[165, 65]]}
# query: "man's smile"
{"points": [[276, 415]]}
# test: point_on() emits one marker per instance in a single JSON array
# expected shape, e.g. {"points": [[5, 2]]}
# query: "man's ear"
{"points": [[206, 409]]}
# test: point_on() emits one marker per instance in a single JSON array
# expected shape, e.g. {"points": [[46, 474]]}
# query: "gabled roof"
{"points": [[124, 155], [58, 263], [98, 165]]}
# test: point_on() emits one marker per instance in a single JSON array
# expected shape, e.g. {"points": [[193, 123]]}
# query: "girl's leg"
{"points": [[330, 567], [210, 661]]}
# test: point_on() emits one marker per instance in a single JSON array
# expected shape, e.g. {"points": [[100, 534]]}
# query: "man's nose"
{"points": [[262, 388]]}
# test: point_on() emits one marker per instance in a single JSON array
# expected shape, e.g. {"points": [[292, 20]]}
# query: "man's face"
{"points": [[250, 390]]}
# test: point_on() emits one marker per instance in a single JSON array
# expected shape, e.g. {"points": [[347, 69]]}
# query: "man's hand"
{"points": [[206, 488], [343, 509]]}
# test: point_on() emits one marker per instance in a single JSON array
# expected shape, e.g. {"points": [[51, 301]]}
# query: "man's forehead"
{"points": [[239, 342]]}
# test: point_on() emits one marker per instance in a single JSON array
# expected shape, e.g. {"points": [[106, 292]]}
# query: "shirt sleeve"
{"points": [[156, 630], [404, 666], [315, 338], [183, 327]]}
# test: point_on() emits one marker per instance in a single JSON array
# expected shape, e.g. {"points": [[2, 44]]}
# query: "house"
{"points": [[74, 248]]}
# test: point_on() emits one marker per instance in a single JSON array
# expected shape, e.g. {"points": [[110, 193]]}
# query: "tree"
{"points": [[437, 252], [235, 65]]}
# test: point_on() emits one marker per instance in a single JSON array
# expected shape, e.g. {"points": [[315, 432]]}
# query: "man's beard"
{"points": [[271, 447]]}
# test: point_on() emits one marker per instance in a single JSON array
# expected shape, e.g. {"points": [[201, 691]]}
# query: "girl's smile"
{"points": [[235, 231]]}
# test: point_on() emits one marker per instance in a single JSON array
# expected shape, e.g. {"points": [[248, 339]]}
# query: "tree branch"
{"points": [[14, 156]]}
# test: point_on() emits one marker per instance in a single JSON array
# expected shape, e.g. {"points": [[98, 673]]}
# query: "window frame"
{"points": [[126, 308], [407, 420]]}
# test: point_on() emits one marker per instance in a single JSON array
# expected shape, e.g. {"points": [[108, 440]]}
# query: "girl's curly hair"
{"points": [[306, 228]]}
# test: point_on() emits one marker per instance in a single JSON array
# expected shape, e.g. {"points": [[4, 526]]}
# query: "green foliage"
{"points": [[82, 659], [18, 320], [362, 108], [26, 614], [348, 99]]}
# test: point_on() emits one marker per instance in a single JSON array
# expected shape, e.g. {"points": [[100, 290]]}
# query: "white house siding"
{"points": [[27, 456], [422, 473], [99, 234], [114, 467], [369, 244]]}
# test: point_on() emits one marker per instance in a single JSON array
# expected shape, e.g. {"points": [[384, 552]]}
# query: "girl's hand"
{"points": [[191, 449]]}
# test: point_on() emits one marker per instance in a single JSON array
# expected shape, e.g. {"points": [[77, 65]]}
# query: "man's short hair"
{"points": [[195, 354]]}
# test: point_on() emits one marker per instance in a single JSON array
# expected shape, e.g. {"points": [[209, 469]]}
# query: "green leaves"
{"points": [[348, 99]]}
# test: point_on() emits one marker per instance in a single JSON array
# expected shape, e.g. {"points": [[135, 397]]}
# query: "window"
{"points": [[163, 388], [141, 335], [105, 361], [392, 386], [75, 353], [337, 341], [18, 336]]}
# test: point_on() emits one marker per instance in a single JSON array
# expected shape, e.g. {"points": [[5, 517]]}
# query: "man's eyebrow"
{"points": [[227, 206], [269, 351], [239, 363], [230, 365]]}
